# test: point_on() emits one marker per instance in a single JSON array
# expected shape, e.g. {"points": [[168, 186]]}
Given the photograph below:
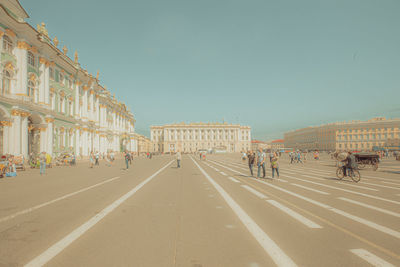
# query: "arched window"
{"points": [[6, 84], [31, 90], [31, 59], [7, 44]]}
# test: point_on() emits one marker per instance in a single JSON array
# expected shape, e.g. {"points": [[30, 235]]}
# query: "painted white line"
{"points": [[311, 189], [255, 192], [338, 182], [390, 183], [9, 217], [343, 213], [345, 190], [371, 207], [371, 258], [294, 215], [269, 246], [216, 169], [384, 186], [55, 249], [223, 173], [379, 178], [233, 179]]}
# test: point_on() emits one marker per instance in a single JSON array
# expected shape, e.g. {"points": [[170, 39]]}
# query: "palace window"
{"points": [[31, 59], [6, 83], [7, 44], [31, 90]]}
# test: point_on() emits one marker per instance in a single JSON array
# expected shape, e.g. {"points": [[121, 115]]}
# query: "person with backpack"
{"points": [[260, 163], [178, 159]]}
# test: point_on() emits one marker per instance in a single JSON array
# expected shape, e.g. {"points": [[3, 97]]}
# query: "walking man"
{"points": [[42, 160], [260, 162], [127, 157], [178, 159], [252, 159]]}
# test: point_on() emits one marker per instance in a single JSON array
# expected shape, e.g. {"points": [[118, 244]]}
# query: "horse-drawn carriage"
{"points": [[364, 159]]}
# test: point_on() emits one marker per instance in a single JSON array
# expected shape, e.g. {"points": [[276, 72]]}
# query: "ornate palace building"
{"points": [[376, 133], [200, 136], [48, 102]]}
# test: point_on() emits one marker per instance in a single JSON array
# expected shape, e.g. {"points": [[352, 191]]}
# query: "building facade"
{"points": [[48, 102], [193, 137], [368, 135]]}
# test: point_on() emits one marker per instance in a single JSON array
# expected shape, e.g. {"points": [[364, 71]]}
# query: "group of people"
{"points": [[259, 158], [297, 157], [94, 158]]}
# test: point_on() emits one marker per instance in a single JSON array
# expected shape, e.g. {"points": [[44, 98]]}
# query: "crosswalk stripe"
{"points": [[223, 173], [335, 210], [293, 214], [370, 207], [255, 192], [270, 247], [371, 258], [311, 189], [233, 179], [345, 190]]}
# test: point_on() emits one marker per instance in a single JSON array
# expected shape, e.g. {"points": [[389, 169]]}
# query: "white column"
{"points": [[24, 136], [43, 139], [49, 135], [6, 140], [77, 142], [16, 133], [42, 78], [22, 73]]}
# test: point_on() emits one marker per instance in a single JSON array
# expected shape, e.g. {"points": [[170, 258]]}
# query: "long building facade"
{"points": [[377, 133], [192, 137], [48, 102]]}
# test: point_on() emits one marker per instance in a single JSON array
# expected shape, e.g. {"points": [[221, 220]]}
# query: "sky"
{"points": [[273, 65]]}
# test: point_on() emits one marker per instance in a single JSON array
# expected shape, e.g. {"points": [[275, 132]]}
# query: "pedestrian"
{"points": [[42, 160], [299, 157], [275, 166], [91, 159], [73, 159], [201, 154], [252, 159], [130, 158], [260, 163], [97, 156], [178, 159], [127, 157]]}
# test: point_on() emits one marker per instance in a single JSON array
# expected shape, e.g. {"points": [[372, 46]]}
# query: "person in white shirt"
{"points": [[178, 159]]}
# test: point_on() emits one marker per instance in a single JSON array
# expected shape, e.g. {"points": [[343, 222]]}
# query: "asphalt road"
{"points": [[206, 213]]}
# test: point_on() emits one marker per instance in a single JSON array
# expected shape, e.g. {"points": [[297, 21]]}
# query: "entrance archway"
{"points": [[34, 121]]}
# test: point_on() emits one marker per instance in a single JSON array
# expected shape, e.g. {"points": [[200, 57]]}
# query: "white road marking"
{"points": [[311, 189], [269, 246], [356, 186], [255, 192], [223, 173], [55, 249], [343, 213], [9, 217], [390, 183], [345, 190], [218, 207], [385, 186], [216, 169], [370, 207], [371, 258], [294, 215], [233, 179]]}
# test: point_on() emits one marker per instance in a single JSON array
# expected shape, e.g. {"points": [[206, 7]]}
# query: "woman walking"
{"points": [[274, 166], [91, 160]]}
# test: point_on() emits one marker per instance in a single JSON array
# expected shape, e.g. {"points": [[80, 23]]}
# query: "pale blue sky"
{"points": [[273, 65]]}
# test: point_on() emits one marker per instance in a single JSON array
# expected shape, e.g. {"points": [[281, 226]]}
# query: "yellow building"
{"points": [[353, 135], [193, 137]]}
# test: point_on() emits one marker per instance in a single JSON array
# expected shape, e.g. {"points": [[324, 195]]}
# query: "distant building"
{"points": [[143, 144], [354, 135], [193, 137], [277, 144], [257, 144]]}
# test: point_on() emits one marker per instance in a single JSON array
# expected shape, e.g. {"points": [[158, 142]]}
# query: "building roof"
{"points": [[278, 141], [257, 142]]}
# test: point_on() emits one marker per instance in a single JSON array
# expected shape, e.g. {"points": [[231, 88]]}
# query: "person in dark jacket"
{"points": [[252, 158]]}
